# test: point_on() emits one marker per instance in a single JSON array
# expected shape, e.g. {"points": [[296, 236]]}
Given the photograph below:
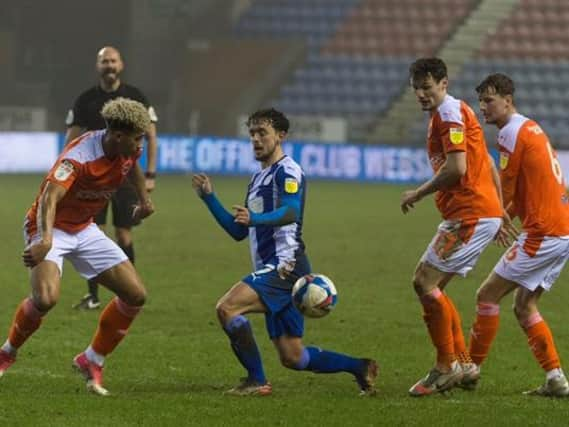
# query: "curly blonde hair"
{"points": [[126, 115]]}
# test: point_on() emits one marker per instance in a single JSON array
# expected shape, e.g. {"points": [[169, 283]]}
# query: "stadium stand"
{"points": [[532, 46], [359, 51]]}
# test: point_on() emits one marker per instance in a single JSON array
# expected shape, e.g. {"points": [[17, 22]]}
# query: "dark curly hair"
{"points": [[423, 67], [277, 119]]}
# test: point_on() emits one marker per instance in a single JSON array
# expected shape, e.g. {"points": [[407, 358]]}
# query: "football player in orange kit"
{"points": [[533, 190], [60, 225], [467, 191]]}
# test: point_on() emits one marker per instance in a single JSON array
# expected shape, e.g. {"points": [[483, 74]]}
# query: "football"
{"points": [[314, 295]]}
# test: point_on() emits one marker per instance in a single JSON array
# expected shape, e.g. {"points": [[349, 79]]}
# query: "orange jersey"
{"points": [[90, 179], [454, 127], [532, 178]]}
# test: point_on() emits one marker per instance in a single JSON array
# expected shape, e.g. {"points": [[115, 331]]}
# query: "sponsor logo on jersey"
{"points": [[436, 159], [94, 194], [291, 185], [126, 166], [535, 129], [64, 170], [456, 135]]}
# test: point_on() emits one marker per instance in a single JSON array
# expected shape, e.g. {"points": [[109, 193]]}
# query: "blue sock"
{"points": [[323, 361], [245, 348]]}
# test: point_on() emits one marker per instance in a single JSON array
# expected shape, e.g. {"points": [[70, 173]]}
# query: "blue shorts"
{"points": [[282, 318]]}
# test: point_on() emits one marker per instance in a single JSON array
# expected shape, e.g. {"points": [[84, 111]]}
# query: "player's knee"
{"points": [[135, 298], [419, 283], [223, 311], [140, 299], [483, 295], [226, 312], [124, 237], [45, 301], [522, 312], [124, 242], [290, 361]]}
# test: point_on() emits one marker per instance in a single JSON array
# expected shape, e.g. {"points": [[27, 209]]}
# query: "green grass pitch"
{"points": [[176, 362]]}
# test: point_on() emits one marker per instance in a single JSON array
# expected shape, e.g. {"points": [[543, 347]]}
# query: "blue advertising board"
{"points": [[24, 152], [226, 156]]}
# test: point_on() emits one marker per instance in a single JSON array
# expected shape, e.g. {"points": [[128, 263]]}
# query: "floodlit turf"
{"points": [[175, 363]]}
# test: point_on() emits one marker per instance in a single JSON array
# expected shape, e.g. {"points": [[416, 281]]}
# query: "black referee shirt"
{"points": [[86, 112]]}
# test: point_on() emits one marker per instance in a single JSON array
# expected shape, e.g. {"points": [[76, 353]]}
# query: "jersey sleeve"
{"points": [[64, 173], [452, 136], [140, 97], [451, 126], [288, 183], [510, 162], [76, 116]]}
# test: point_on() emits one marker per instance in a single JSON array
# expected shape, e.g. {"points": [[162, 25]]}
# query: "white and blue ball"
{"points": [[314, 295]]}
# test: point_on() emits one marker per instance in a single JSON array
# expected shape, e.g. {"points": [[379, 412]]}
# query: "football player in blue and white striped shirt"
{"points": [[272, 219]]}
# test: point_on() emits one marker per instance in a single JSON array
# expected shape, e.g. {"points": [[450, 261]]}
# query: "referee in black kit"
{"points": [[86, 116]]}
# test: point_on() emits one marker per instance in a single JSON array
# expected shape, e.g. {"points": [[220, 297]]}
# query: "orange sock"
{"points": [[27, 320], [113, 326], [541, 342], [484, 331], [437, 317], [460, 351]]}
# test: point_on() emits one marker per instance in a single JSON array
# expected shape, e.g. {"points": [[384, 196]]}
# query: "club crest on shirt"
{"points": [[64, 170], [504, 158], [255, 204], [456, 135], [291, 185]]}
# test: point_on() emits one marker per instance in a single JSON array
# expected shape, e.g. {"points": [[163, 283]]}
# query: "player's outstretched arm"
{"points": [[290, 193], [204, 189], [51, 195], [287, 213]]}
